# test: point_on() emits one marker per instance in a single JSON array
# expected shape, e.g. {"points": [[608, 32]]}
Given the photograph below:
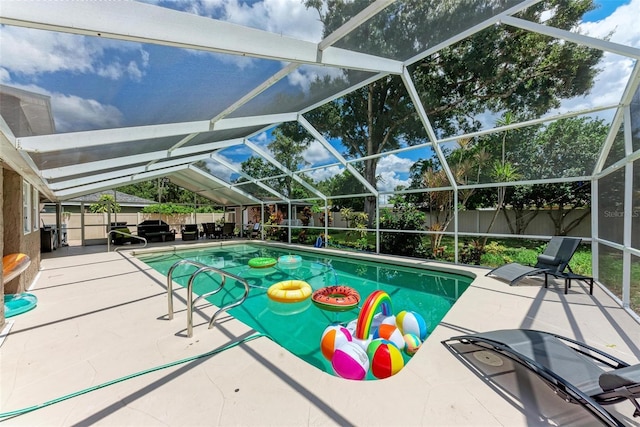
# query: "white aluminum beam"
{"points": [[162, 26], [363, 16], [89, 179], [19, 163], [417, 102], [317, 135], [85, 139], [199, 152], [242, 122], [227, 164], [577, 38], [280, 166], [224, 184], [257, 91], [469, 32], [627, 96], [70, 193]]}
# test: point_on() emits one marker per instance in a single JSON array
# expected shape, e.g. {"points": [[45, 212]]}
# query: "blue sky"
{"points": [[99, 83], [605, 8]]}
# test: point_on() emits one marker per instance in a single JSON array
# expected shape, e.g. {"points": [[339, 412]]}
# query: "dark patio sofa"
{"points": [[156, 231]]}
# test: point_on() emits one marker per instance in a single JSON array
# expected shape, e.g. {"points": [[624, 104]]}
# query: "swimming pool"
{"points": [[299, 327]]}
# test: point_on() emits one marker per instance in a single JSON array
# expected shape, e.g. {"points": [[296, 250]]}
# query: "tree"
{"points": [[289, 141], [402, 217], [340, 184], [564, 148], [105, 204], [288, 152], [171, 193], [499, 69]]}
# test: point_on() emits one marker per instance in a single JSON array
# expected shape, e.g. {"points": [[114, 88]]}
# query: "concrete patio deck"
{"points": [[101, 317]]}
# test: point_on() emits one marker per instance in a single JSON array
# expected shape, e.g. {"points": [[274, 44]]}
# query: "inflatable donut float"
{"points": [[336, 298], [262, 262], [289, 291]]}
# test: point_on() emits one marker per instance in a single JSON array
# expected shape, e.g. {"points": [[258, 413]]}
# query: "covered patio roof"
{"points": [[235, 84]]}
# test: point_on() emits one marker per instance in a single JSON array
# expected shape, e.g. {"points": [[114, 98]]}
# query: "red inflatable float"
{"points": [[336, 298]]}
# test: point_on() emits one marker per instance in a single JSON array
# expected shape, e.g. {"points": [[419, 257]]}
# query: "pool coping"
{"points": [[103, 315]]}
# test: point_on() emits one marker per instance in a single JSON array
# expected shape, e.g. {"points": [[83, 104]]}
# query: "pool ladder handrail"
{"points": [[202, 268], [124, 234]]}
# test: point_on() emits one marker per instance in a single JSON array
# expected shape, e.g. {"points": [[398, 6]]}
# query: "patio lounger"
{"points": [[555, 259], [576, 372]]}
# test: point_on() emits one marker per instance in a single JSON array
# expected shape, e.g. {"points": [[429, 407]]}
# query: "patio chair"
{"points": [[227, 231], [576, 372], [555, 259], [190, 232], [255, 231], [209, 229]]}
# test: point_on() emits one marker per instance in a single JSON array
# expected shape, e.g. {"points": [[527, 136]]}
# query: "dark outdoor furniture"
{"points": [[48, 238], [227, 230], [117, 237], [554, 259], [211, 230], [190, 232], [155, 230], [576, 372], [568, 277]]}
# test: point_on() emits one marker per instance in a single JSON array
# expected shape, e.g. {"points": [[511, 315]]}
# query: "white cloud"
{"points": [[318, 175], [285, 17], [316, 153], [33, 52], [389, 169], [73, 113], [5, 77], [220, 171], [70, 110], [615, 69], [305, 75]]}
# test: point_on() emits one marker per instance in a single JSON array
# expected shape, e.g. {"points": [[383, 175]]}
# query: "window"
{"points": [[35, 209], [26, 207]]}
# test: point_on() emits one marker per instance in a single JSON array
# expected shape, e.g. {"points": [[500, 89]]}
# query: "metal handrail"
{"points": [[170, 282], [124, 234], [191, 302]]}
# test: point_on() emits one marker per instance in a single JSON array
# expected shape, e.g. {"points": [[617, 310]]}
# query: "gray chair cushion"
{"points": [[549, 260]]}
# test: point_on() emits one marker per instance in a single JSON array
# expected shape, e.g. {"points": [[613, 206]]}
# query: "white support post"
{"points": [[628, 211]]}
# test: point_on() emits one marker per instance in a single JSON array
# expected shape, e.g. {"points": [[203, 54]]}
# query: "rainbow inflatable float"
{"points": [[377, 299]]}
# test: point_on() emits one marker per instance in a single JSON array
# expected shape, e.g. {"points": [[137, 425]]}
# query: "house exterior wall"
{"points": [[13, 237]]}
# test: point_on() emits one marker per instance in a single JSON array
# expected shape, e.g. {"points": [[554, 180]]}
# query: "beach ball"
{"points": [[385, 358], [411, 322], [390, 333], [333, 337], [351, 326], [380, 319], [411, 344], [350, 361]]}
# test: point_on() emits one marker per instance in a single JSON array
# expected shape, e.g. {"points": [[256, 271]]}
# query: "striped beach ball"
{"points": [[390, 333], [385, 358], [333, 337], [411, 344], [411, 322], [350, 361]]}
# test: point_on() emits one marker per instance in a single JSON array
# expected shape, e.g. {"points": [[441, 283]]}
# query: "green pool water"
{"points": [[298, 327]]}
